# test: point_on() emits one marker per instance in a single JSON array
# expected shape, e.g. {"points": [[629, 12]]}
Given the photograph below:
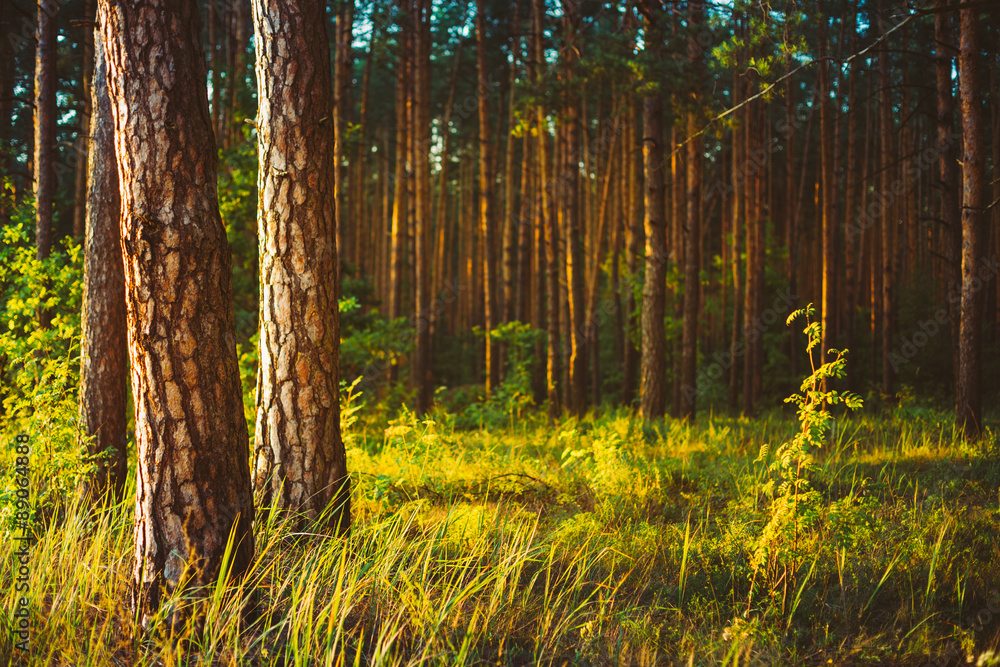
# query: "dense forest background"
{"points": [[570, 238], [806, 158]]}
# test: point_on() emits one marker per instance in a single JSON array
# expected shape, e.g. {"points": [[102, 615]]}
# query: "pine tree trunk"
{"points": [[510, 218], [827, 305], [949, 189], [193, 490], [398, 223], [635, 240], [653, 389], [239, 70], [970, 408], [570, 183], [343, 72], [888, 222], [739, 178], [851, 231], [300, 465], [692, 236], [487, 214], [104, 343], [45, 126], [422, 222], [83, 139]]}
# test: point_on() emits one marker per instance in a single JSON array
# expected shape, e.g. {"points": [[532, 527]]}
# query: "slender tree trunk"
{"points": [[970, 408], [632, 156], [888, 221], [948, 185], [570, 183], [653, 391], [359, 184], [421, 157], [45, 126], [83, 139], [398, 224], [827, 306], [750, 332], [851, 231], [343, 73], [104, 343], [739, 221], [510, 219], [692, 236], [6, 100], [599, 247], [193, 491], [487, 215], [239, 70]]}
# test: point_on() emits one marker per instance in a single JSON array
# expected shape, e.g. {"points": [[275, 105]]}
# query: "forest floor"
{"points": [[587, 541]]}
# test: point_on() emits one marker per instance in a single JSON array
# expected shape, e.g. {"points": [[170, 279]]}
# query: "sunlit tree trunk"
{"points": [[546, 220], [300, 465], [193, 490], [970, 409], [570, 184], [653, 389], [104, 342], [487, 214], [397, 240], [510, 218]]}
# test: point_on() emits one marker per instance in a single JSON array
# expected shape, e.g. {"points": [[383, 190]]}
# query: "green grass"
{"points": [[594, 541]]}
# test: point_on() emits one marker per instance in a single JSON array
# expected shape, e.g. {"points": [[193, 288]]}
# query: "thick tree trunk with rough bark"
{"points": [[299, 460], [104, 343], [45, 125], [193, 490], [970, 400]]}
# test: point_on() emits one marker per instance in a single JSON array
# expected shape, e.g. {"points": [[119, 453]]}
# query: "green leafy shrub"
{"points": [[39, 368]]}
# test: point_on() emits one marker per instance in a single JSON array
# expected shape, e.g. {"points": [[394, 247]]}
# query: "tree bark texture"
{"points": [[193, 490], [299, 460], [104, 343], [970, 400], [653, 388]]}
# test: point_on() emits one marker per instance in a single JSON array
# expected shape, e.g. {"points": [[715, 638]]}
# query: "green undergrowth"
{"points": [[588, 541]]}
